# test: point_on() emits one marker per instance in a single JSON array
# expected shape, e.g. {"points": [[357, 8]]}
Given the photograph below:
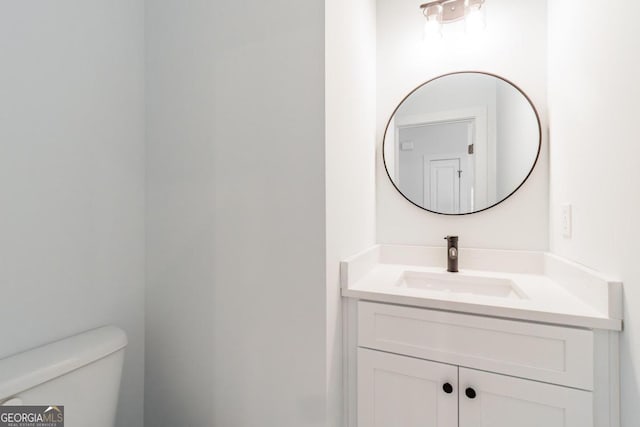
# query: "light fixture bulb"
{"points": [[432, 30], [433, 22], [475, 19]]}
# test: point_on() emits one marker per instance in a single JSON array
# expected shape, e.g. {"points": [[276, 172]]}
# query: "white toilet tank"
{"points": [[81, 373]]}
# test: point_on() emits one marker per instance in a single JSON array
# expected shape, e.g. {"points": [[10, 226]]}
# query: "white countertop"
{"points": [[555, 290]]}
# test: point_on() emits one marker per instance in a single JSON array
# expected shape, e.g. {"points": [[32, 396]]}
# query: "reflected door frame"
{"points": [[484, 186]]}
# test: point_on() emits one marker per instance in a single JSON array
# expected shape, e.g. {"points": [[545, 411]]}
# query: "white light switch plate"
{"points": [[565, 221]]}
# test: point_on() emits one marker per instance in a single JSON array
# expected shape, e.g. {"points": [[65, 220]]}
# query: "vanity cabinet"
{"points": [[399, 391], [424, 368]]}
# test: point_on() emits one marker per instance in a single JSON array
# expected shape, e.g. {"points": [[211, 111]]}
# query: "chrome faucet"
{"points": [[452, 253]]}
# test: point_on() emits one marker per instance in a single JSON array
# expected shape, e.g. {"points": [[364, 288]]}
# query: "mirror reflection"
{"points": [[462, 143]]}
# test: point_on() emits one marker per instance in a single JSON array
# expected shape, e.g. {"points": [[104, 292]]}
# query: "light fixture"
{"points": [[439, 12]]}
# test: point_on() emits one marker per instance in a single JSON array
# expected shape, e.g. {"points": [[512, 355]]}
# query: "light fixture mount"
{"points": [[452, 10]]}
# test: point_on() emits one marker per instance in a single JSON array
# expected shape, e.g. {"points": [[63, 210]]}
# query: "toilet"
{"points": [[81, 373]]}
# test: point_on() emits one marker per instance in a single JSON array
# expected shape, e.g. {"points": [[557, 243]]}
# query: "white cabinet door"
{"points": [[399, 391], [502, 401]]}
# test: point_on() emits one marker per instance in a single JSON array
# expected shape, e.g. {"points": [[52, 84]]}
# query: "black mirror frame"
{"points": [[533, 166]]}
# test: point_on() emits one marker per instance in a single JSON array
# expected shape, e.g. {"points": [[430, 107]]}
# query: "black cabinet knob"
{"points": [[448, 388], [471, 393]]}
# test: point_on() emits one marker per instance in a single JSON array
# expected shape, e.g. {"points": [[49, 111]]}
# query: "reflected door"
{"points": [[443, 185], [435, 165]]}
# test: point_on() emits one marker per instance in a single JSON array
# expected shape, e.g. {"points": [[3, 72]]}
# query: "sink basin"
{"points": [[460, 284]]}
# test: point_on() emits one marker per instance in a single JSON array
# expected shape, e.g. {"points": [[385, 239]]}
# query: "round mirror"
{"points": [[462, 143]]}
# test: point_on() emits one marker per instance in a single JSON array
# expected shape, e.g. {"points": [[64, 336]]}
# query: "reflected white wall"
{"points": [[516, 139]]}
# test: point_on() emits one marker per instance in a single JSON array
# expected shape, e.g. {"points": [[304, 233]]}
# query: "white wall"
{"points": [[237, 296], [350, 162], [594, 105], [72, 177], [180, 214], [514, 46]]}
